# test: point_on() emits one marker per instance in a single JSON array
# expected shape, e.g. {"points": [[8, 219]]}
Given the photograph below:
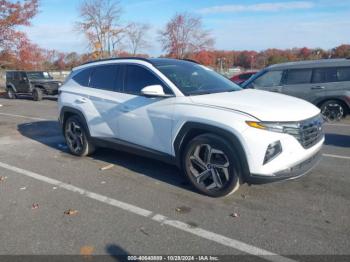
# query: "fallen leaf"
{"points": [[23, 188], [106, 167], [86, 250], [71, 212], [54, 188], [3, 178], [35, 206], [103, 182]]}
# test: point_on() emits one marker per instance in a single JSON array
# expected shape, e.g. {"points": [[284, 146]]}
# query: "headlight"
{"points": [[275, 126]]}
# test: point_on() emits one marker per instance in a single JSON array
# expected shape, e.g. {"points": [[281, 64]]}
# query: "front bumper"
{"points": [[294, 172]]}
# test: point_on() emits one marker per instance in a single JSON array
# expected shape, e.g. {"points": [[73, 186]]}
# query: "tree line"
{"points": [[183, 37]]}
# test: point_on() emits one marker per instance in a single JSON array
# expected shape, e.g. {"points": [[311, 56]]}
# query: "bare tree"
{"points": [[136, 34], [184, 35], [100, 23]]}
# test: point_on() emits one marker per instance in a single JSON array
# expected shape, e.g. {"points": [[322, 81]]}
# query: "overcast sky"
{"points": [[235, 25]]}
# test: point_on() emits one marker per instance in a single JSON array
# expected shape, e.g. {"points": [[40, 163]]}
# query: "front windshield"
{"points": [[39, 75], [194, 79]]}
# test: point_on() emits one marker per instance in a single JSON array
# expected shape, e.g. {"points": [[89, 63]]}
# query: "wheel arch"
{"points": [[339, 99], [9, 85], [192, 129], [67, 112]]}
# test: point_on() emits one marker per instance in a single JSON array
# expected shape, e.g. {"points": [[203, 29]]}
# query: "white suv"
{"points": [[188, 115]]}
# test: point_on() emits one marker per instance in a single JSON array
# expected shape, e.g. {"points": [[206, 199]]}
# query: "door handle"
{"points": [[81, 100], [317, 87]]}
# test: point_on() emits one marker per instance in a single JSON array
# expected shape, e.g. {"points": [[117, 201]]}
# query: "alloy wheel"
{"points": [[74, 137], [333, 112], [209, 167]]}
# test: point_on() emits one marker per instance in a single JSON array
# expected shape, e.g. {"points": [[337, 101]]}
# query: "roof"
{"points": [[153, 61], [311, 64]]}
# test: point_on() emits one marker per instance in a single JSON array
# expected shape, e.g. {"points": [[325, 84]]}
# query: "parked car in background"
{"points": [[35, 83], [325, 83], [241, 78], [188, 115]]}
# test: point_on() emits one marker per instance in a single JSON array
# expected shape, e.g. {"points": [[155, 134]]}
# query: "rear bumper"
{"points": [[294, 172]]}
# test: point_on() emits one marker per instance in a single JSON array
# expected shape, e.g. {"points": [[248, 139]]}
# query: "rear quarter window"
{"points": [[9, 75], [324, 75], [83, 77], [298, 76], [343, 74]]}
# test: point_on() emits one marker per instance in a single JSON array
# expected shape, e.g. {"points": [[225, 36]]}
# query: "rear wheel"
{"points": [[11, 94], [37, 94], [77, 137], [333, 110], [212, 165]]}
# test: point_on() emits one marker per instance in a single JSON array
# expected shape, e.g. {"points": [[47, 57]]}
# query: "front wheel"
{"points": [[212, 165], [333, 110], [37, 94], [77, 138]]}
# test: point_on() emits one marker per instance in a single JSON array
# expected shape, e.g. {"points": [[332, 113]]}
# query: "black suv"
{"points": [[36, 83]]}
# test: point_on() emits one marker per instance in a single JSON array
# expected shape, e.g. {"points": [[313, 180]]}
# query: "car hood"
{"points": [[263, 105]]}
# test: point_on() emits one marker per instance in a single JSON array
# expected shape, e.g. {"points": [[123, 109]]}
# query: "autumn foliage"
{"points": [[183, 36]]}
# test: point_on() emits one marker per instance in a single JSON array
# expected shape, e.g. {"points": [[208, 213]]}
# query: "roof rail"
{"points": [[119, 58]]}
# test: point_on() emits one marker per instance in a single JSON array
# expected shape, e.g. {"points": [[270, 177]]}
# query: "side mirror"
{"points": [[154, 90]]}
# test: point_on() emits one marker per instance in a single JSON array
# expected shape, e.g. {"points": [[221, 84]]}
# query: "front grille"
{"points": [[309, 132]]}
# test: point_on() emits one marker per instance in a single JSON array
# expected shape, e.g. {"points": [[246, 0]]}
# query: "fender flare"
{"points": [[12, 86], [67, 111], [191, 129]]}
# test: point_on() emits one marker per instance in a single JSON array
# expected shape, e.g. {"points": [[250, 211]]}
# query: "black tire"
{"points": [[37, 94], [333, 110], [221, 154], [11, 94], [77, 140]]}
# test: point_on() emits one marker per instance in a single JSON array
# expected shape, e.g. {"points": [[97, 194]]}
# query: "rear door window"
{"points": [[324, 75], [105, 77], [343, 74], [298, 76], [270, 78]]}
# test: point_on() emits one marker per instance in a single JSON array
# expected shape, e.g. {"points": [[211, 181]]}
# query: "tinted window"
{"points": [[22, 75], [9, 75], [104, 77], [138, 78], [270, 78], [16, 75], [344, 74], [245, 76], [298, 76], [324, 75], [83, 77]]}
